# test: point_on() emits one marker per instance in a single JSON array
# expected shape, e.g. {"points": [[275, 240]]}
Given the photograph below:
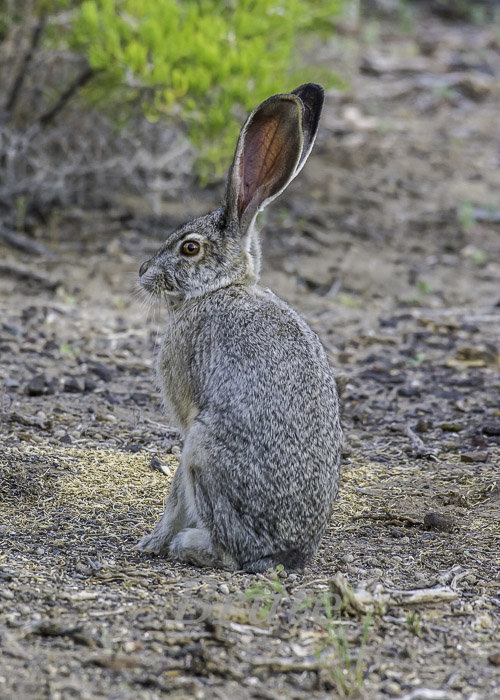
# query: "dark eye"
{"points": [[190, 248]]}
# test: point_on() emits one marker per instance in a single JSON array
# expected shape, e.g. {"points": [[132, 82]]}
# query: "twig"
{"points": [[23, 70], [64, 98], [27, 275], [23, 243], [279, 664], [389, 517], [419, 448], [421, 596]]}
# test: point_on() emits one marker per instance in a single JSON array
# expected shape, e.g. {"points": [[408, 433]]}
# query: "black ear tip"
{"points": [[310, 93]]}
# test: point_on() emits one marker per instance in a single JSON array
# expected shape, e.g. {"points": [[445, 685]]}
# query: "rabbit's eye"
{"points": [[190, 248]]}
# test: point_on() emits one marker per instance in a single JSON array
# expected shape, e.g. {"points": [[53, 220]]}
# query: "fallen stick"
{"points": [[419, 448], [16, 240], [360, 601], [422, 596], [23, 273]]}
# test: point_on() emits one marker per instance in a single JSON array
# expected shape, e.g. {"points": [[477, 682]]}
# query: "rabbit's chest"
{"points": [[174, 377]]}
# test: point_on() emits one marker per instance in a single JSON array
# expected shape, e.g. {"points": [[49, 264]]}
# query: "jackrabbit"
{"points": [[244, 376]]}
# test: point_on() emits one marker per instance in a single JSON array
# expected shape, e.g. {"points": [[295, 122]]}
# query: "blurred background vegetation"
{"points": [[103, 99], [203, 63], [133, 94]]}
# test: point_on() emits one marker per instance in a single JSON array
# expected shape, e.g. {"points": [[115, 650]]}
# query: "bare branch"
{"points": [[25, 274], [65, 97], [23, 70], [16, 240]]}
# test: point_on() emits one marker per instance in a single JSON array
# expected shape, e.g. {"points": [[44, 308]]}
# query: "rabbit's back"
{"points": [[252, 375]]}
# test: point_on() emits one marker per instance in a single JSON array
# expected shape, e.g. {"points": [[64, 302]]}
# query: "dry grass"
{"points": [[107, 484], [81, 483]]}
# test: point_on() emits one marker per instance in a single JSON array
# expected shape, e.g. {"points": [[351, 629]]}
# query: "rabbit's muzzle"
{"points": [[153, 279]]}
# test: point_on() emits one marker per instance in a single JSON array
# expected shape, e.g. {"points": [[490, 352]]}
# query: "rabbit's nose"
{"points": [[144, 267]]}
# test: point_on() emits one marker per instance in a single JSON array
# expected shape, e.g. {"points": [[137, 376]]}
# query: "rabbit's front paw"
{"points": [[156, 543]]}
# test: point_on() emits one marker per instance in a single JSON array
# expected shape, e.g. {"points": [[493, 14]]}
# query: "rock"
{"points": [[474, 86], [140, 398], [491, 427], [436, 521], [409, 391], [477, 456], [116, 662], [74, 385], [423, 425], [452, 427], [66, 440], [476, 356], [89, 384], [158, 466], [494, 659], [100, 370], [397, 533], [37, 385], [12, 330], [134, 448]]}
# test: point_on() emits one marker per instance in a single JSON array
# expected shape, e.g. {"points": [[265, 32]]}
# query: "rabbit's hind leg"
{"points": [[179, 513], [194, 546]]}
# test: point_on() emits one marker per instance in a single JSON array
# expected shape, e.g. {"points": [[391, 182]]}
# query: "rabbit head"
{"points": [[222, 248]]}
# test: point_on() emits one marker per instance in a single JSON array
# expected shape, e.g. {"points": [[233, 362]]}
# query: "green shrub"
{"points": [[202, 62]]}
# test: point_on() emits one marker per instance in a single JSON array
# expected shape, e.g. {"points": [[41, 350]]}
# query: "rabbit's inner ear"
{"points": [[270, 147]]}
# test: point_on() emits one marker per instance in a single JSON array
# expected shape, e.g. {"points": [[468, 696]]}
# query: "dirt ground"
{"points": [[388, 243]]}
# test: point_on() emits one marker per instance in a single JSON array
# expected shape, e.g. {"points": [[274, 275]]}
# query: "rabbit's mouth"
{"points": [[154, 281], [160, 286], [167, 287]]}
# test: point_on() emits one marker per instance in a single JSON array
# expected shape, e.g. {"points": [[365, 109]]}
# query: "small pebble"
{"points": [[494, 659], [37, 385], [491, 427], [392, 688], [224, 588], [452, 427], [158, 466], [101, 371], [89, 384], [134, 448], [74, 385], [409, 391], [397, 533]]}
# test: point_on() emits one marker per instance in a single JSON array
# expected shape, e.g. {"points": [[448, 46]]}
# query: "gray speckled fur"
{"points": [[250, 385]]}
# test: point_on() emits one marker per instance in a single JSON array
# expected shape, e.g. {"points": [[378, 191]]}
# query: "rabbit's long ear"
{"points": [[273, 145]]}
